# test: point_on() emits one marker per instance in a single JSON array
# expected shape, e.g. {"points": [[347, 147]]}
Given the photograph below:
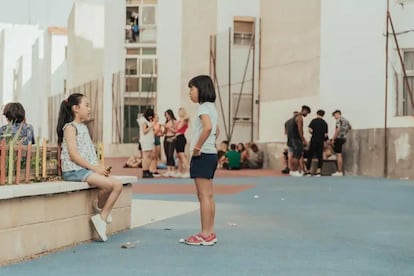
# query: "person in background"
{"points": [[146, 138], [16, 118], [342, 128], [319, 130], [180, 143], [233, 159], [289, 150], [169, 141], [295, 134], [224, 147], [156, 150], [256, 158], [243, 152]]}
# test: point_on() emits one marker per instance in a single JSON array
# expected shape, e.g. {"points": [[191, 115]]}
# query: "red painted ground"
{"points": [[118, 163], [186, 189]]}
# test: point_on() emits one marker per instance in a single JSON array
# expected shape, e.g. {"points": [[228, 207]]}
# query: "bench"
{"points": [[328, 166], [41, 217]]}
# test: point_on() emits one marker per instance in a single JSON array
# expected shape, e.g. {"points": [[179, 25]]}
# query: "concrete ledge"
{"points": [[40, 217]]}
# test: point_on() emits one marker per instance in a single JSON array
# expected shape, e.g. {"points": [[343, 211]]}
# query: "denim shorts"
{"points": [[77, 175], [203, 166]]}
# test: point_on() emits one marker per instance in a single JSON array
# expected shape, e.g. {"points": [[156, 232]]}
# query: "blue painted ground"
{"points": [[297, 226]]}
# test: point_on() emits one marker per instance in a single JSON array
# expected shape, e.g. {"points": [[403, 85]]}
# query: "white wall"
{"points": [[86, 40], [44, 13], [353, 60], [18, 41], [114, 57], [226, 11], [58, 72], [169, 51]]}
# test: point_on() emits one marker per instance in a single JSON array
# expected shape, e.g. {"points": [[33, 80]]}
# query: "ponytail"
{"points": [[66, 113]]}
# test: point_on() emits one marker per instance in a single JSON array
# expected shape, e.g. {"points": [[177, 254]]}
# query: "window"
{"points": [[133, 51], [149, 84], [404, 106], [148, 15], [131, 66], [243, 30], [131, 84]]}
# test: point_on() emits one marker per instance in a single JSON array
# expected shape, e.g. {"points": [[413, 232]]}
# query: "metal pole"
{"points": [[229, 104], [386, 95], [253, 72]]}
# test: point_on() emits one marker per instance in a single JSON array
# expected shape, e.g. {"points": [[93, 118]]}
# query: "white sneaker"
{"points": [[338, 174], [176, 174], [100, 226], [185, 175], [99, 210], [298, 174], [167, 174]]}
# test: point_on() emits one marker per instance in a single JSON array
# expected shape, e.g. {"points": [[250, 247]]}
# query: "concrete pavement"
{"points": [[278, 226]]}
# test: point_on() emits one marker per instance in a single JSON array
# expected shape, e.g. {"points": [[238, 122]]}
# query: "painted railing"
{"points": [[32, 163]]}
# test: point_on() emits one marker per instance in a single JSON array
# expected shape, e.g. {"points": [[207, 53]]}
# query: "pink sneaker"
{"points": [[199, 239]]}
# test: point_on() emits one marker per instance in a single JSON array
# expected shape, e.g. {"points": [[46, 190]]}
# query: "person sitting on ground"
{"points": [[135, 161], [16, 118], [243, 152], [224, 147], [256, 158], [233, 159]]}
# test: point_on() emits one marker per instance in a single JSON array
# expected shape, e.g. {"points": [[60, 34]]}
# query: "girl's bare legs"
{"points": [[183, 162], [108, 185], [146, 160], [102, 198], [207, 204]]}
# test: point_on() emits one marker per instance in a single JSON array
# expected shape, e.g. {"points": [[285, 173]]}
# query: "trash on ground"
{"points": [[129, 244], [232, 224], [256, 196], [181, 240]]}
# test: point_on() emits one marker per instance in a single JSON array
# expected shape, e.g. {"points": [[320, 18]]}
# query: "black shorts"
{"points": [[180, 143], [338, 143], [203, 166], [297, 147]]}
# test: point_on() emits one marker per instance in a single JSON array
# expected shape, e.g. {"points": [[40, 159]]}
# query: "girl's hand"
{"points": [[100, 170], [196, 152]]}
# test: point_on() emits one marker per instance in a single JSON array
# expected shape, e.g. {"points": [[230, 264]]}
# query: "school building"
{"points": [[266, 57]]}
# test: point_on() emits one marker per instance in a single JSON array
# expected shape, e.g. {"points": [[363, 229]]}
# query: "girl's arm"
{"points": [[205, 133], [70, 135], [147, 128]]}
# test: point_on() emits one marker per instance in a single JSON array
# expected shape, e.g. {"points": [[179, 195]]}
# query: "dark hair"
{"points": [[149, 114], [233, 146], [243, 147], [254, 147], [205, 86], [225, 142], [14, 112], [307, 108], [171, 114], [66, 113], [320, 112], [337, 111]]}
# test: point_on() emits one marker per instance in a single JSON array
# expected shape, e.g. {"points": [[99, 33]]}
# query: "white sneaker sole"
{"points": [[98, 211], [101, 234]]}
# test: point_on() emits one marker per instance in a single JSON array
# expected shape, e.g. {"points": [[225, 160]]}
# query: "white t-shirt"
{"points": [[146, 139], [209, 145]]}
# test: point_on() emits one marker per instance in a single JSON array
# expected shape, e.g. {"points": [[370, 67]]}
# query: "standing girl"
{"points": [[204, 156], [146, 138], [79, 160], [169, 141], [181, 142], [157, 146]]}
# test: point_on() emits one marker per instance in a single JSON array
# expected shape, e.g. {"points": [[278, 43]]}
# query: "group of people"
{"points": [[240, 156], [299, 149], [173, 131]]}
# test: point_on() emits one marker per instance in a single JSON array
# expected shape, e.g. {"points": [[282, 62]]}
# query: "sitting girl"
{"points": [[79, 160]]}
